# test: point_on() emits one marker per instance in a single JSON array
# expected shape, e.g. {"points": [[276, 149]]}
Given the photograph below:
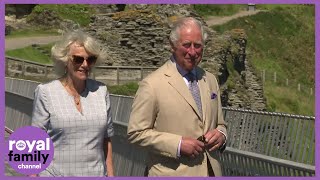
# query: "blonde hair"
{"points": [[60, 51]]}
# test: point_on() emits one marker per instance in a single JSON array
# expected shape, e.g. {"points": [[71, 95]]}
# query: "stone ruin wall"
{"points": [[139, 37], [136, 38]]}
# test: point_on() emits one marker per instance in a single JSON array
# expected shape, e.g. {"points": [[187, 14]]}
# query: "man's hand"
{"points": [[214, 139], [191, 147]]}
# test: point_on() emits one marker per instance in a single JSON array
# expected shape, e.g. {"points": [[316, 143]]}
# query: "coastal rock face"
{"points": [[133, 38], [139, 37]]}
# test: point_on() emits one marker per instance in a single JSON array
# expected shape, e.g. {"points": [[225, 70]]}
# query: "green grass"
{"points": [[128, 89], [282, 40], [288, 99], [278, 40], [30, 53], [32, 33], [218, 9], [274, 6], [233, 76], [79, 13]]}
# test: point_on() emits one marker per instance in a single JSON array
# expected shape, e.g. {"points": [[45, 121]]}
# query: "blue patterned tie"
{"points": [[194, 89]]}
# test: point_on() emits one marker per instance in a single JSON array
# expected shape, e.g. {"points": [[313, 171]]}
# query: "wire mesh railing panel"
{"points": [[258, 132]]}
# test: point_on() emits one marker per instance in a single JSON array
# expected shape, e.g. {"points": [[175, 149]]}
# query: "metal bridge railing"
{"points": [[285, 136], [258, 142]]}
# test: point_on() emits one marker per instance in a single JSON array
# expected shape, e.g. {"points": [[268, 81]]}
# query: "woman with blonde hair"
{"points": [[75, 110]]}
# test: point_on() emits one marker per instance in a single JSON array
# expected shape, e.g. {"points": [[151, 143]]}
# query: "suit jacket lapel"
{"points": [[204, 90], [177, 82]]}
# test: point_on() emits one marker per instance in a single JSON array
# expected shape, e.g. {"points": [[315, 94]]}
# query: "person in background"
{"points": [[75, 110], [177, 113]]}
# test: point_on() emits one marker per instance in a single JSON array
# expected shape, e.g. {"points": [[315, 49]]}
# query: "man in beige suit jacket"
{"points": [[182, 138]]}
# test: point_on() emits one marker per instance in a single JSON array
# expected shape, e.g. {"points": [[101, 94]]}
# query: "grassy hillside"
{"points": [[218, 9], [282, 40], [31, 53], [79, 13], [32, 32]]}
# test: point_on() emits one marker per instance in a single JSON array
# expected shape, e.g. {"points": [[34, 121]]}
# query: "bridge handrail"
{"points": [[224, 108], [270, 113], [281, 135], [256, 156], [278, 166]]}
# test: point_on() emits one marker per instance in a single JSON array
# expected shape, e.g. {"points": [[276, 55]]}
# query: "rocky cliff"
{"points": [[139, 37]]}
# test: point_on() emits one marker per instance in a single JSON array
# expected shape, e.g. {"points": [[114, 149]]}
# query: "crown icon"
{"points": [[21, 145]]}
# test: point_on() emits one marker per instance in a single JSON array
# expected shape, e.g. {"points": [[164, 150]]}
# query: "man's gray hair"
{"points": [[60, 51], [185, 22]]}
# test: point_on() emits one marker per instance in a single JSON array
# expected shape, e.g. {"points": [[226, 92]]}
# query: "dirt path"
{"points": [[218, 20], [15, 43]]}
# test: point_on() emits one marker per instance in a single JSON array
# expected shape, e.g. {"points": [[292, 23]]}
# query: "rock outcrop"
{"points": [[139, 37]]}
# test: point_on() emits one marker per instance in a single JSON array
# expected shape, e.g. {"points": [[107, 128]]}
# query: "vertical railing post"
{"points": [[93, 73], [45, 71], [118, 78], [23, 66], [7, 66], [141, 75]]}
